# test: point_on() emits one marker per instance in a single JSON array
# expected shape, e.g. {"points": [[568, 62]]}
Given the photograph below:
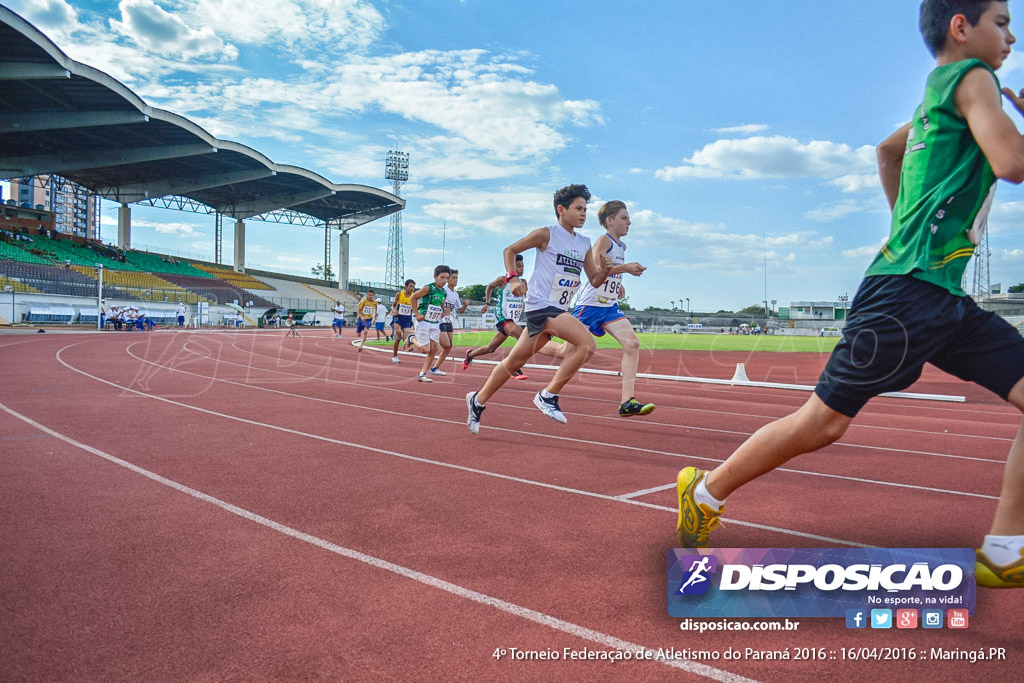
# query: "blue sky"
{"points": [[728, 128]]}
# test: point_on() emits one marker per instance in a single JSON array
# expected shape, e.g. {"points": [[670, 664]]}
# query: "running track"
{"points": [[249, 506]]}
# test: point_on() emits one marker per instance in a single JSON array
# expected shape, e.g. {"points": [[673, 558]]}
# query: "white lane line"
{"points": [[637, 494], [960, 411], [646, 422], [378, 563], [436, 463], [562, 438]]}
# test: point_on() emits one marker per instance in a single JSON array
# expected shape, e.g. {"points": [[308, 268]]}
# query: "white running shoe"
{"points": [[396, 360], [475, 412], [423, 378], [549, 406], [437, 372]]}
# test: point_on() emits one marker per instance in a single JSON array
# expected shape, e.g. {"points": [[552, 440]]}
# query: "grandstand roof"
{"points": [[59, 116]]}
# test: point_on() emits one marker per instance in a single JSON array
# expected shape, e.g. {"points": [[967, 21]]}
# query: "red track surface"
{"points": [[303, 511]]}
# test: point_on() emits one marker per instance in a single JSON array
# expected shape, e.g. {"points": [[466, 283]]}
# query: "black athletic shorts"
{"points": [[897, 324], [500, 326], [535, 320], [446, 327]]}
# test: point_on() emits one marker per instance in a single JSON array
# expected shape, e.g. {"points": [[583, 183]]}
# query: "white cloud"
{"points": [[426, 250], [865, 252], [749, 129], [56, 18], [334, 25], [832, 212], [164, 33], [772, 157], [865, 182]]}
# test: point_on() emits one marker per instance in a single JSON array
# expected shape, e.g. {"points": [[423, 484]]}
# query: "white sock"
{"points": [[477, 403], [544, 393], [704, 496], [1003, 550]]}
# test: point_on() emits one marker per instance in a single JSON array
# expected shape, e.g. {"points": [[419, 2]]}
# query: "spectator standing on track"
{"points": [[939, 174], [401, 318], [378, 325], [428, 302], [339, 319], [103, 314], [366, 313], [452, 305], [180, 313], [563, 255]]}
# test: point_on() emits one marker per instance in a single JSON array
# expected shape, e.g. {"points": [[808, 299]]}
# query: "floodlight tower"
{"points": [[396, 169], [980, 290]]}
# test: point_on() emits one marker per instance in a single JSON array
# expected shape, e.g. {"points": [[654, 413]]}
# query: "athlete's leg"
{"points": [[556, 350], [428, 361], [814, 425], [1009, 517], [446, 346], [525, 347], [573, 332], [623, 333], [497, 340]]}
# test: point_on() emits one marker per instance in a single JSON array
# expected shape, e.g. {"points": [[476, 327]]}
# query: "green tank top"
{"points": [[946, 190], [515, 304], [432, 305]]}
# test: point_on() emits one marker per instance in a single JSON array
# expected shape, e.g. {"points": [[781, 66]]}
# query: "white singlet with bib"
{"points": [[557, 270], [608, 293]]}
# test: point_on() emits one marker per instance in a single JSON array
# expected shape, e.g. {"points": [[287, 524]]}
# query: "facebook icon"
{"points": [[856, 618]]}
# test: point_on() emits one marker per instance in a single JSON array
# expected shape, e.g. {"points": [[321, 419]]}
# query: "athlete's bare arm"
{"points": [[890, 162], [538, 239], [977, 100]]}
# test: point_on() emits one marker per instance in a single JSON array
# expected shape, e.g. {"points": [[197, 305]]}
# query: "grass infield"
{"points": [[684, 342]]}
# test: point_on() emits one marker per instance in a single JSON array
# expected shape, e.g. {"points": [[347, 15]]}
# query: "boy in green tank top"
{"points": [[938, 173], [428, 306]]}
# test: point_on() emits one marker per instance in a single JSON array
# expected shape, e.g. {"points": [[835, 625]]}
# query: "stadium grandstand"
{"points": [[65, 122]]}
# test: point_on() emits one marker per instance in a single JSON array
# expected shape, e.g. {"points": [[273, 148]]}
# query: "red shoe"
{"points": [[518, 374]]}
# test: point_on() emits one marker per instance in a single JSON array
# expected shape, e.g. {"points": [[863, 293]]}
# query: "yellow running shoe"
{"points": [[995, 576], [696, 520]]}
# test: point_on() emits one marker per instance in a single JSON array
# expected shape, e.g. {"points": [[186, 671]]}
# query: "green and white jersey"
{"points": [[946, 190], [507, 305], [432, 305]]}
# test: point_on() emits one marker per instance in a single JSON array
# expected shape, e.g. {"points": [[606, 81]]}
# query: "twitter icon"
{"points": [[881, 618]]}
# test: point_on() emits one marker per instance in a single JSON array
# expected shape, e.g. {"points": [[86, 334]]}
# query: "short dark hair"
{"points": [[936, 15], [565, 196], [519, 257], [442, 269], [370, 291], [410, 281], [454, 272]]}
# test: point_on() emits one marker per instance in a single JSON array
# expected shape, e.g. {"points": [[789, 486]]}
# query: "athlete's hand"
{"points": [[483, 309], [635, 268], [419, 317], [605, 264], [1016, 98], [519, 288]]}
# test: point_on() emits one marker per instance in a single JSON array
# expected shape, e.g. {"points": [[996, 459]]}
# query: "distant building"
{"points": [[76, 211], [815, 310]]}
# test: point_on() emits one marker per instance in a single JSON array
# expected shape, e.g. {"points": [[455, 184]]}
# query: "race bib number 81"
{"points": [[562, 291]]}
